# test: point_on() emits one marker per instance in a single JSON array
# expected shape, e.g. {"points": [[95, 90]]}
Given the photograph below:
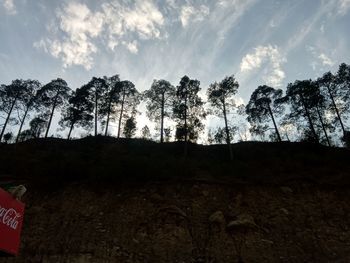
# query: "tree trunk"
{"points": [[7, 119], [309, 119], [108, 114], [22, 123], [336, 110], [96, 112], [51, 115], [228, 139], [162, 120], [70, 130], [274, 124], [121, 115], [323, 126], [186, 139]]}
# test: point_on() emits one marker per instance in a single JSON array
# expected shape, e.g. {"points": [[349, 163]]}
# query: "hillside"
{"points": [[107, 200]]}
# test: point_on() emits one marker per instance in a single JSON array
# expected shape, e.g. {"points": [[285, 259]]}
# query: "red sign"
{"points": [[11, 219]]}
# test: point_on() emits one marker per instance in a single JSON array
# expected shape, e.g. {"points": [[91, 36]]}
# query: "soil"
{"points": [[186, 221]]}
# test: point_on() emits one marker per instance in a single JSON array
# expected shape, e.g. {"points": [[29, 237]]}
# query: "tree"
{"points": [[262, 107], [111, 99], [36, 127], [78, 111], [159, 99], [343, 81], [53, 95], [9, 96], [220, 135], [26, 102], [221, 99], [129, 99], [130, 128], [145, 133], [330, 84], [318, 104], [188, 111], [167, 134], [298, 98], [7, 137], [96, 90]]}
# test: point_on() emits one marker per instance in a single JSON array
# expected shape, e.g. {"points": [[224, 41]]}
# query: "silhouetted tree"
{"points": [[145, 133], [298, 98], [27, 102], [130, 128], [167, 134], [188, 111], [96, 89], [159, 99], [110, 100], [78, 112], [259, 130], [220, 135], [129, 99], [221, 99], [328, 83], [37, 127], [9, 96], [7, 137], [343, 80], [318, 104], [262, 107], [53, 95]]}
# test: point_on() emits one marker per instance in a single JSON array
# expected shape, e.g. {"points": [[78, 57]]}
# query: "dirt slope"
{"points": [[187, 222], [102, 200]]}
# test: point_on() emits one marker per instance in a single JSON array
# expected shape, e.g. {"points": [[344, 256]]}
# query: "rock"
{"points": [[218, 217], [17, 191], [243, 221], [285, 211], [286, 190], [172, 209], [267, 241], [156, 198]]}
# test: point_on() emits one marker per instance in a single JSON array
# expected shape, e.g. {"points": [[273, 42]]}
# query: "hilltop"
{"points": [[106, 159]]}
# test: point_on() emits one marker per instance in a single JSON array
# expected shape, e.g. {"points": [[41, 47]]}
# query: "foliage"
{"points": [[145, 133], [130, 128], [188, 110], [8, 137], [159, 100], [78, 112], [311, 110], [52, 96]]}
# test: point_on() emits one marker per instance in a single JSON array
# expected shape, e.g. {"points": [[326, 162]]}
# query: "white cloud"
{"points": [[81, 27], [326, 61], [343, 7], [131, 46], [320, 58], [10, 7], [190, 13], [271, 57], [143, 18]]}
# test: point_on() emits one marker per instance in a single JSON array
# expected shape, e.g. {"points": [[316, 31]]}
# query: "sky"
{"points": [[259, 41]]}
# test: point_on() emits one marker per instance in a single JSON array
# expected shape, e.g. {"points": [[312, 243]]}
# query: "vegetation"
{"points": [[311, 110]]}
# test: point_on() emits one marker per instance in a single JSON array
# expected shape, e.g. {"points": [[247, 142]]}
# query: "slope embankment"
{"points": [[135, 201]]}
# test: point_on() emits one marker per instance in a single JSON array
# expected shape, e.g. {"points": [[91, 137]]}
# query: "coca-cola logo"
{"points": [[9, 217]]}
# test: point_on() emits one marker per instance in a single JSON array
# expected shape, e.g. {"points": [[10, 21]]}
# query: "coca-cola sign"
{"points": [[11, 219]]}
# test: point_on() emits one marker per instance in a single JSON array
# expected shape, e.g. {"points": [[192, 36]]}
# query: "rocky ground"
{"points": [[187, 221]]}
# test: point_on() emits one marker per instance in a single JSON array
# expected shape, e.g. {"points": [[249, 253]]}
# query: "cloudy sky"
{"points": [[260, 41], [269, 42]]}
